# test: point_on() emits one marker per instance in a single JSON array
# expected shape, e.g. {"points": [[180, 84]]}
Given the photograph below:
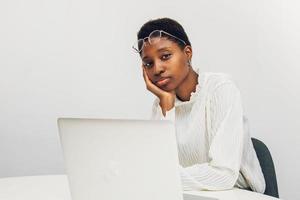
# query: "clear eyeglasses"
{"points": [[139, 44]]}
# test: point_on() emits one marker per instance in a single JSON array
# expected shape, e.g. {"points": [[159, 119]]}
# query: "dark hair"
{"points": [[166, 24]]}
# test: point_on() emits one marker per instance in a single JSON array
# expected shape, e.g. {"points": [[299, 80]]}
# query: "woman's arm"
{"points": [[226, 143], [157, 112]]}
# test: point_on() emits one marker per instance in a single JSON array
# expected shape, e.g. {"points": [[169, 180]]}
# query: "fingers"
{"points": [[150, 86], [146, 77], [144, 73]]}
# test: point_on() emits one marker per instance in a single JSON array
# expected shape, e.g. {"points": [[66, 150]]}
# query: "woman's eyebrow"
{"points": [[163, 48], [144, 58], [158, 50]]}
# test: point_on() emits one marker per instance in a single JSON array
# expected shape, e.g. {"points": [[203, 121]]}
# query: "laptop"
{"points": [[121, 159]]}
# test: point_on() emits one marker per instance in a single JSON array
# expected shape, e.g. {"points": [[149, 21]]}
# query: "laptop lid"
{"points": [[120, 159]]}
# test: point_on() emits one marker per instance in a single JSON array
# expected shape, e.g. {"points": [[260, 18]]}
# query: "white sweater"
{"points": [[214, 145]]}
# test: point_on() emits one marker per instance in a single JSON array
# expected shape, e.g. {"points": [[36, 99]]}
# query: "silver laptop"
{"points": [[118, 159]]}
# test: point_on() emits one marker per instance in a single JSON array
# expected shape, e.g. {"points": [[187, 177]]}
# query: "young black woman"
{"points": [[214, 146]]}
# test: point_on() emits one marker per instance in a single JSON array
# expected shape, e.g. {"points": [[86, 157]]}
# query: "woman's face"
{"points": [[164, 59]]}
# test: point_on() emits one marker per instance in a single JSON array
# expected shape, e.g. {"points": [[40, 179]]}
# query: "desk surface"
{"points": [[55, 187]]}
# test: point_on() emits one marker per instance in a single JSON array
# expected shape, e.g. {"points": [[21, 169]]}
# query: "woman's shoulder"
{"points": [[215, 79]]}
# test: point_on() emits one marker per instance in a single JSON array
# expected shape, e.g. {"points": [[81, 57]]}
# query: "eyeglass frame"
{"points": [[160, 35]]}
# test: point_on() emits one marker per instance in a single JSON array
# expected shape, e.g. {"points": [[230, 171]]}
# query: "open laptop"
{"points": [[121, 159]]}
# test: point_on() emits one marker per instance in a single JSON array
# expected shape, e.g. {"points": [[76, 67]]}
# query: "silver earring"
{"points": [[189, 62]]}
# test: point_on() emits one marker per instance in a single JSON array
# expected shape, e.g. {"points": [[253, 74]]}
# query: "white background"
{"points": [[71, 58]]}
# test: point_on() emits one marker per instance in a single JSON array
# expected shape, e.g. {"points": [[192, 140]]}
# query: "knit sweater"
{"points": [[214, 146]]}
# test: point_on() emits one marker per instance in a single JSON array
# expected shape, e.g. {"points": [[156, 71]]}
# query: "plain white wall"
{"points": [[73, 58]]}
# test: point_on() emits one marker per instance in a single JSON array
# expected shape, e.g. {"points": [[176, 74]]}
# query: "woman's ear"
{"points": [[188, 52]]}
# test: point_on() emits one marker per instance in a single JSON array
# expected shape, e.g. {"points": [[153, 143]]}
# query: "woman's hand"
{"points": [[167, 99]]}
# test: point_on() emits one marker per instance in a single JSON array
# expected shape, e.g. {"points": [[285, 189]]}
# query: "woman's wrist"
{"points": [[166, 105]]}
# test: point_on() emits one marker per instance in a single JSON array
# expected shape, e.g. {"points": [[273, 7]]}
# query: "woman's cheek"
{"points": [[151, 79]]}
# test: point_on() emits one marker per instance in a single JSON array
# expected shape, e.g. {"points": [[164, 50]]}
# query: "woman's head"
{"points": [[167, 54]]}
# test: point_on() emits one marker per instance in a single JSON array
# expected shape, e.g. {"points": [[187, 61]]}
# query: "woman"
{"points": [[214, 147]]}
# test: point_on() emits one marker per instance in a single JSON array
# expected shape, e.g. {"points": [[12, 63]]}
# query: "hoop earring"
{"points": [[189, 63]]}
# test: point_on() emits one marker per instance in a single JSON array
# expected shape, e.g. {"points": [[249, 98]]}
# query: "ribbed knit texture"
{"points": [[214, 145]]}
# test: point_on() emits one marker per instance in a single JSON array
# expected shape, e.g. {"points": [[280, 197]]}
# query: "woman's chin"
{"points": [[167, 88]]}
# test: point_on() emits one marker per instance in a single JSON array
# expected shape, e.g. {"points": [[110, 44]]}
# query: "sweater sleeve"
{"points": [[157, 112], [225, 143]]}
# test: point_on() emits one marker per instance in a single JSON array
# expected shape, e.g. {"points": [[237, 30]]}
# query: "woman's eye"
{"points": [[147, 65], [166, 56]]}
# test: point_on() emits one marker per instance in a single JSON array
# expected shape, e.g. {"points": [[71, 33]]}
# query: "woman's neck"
{"points": [[188, 85]]}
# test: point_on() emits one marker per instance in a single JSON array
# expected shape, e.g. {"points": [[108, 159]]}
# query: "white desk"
{"points": [[55, 187]]}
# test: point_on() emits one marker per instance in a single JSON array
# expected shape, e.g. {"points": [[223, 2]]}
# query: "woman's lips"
{"points": [[163, 82]]}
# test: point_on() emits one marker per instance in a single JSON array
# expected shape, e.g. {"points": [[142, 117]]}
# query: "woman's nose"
{"points": [[158, 68]]}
